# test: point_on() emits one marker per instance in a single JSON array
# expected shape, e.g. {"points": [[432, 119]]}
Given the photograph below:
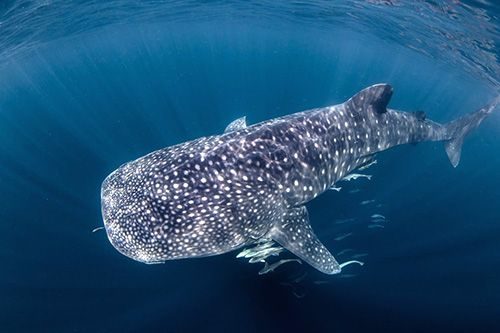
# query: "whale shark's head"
{"points": [[124, 209], [155, 211]]}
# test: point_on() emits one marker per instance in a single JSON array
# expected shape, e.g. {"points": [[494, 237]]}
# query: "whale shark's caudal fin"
{"points": [[457, 130]]}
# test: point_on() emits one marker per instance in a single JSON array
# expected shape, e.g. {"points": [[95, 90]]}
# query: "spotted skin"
{"points": [[216, 194]]}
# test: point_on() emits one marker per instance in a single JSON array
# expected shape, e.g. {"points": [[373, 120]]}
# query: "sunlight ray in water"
{"points": [[86, 86]]}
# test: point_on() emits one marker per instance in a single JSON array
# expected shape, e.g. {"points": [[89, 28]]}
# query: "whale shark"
{"points": [[250, 184]]}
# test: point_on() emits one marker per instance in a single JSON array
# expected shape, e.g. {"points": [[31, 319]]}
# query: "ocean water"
{"points": [[88, 85]]}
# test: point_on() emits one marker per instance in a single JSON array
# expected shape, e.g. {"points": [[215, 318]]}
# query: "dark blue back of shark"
{"points": [[216, 194]]}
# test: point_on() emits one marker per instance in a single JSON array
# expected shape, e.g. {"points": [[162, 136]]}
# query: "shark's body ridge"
{"points": [[219, 193]]}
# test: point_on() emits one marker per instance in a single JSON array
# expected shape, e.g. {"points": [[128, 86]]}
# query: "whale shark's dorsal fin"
{"points": [[375, 98], [296, 235], [236, 125]]}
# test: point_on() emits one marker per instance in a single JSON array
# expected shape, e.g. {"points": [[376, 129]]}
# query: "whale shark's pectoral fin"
{"points": [[296, 235], [236, 125]]}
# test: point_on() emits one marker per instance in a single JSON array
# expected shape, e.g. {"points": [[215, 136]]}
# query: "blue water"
{"points": [[88, 85]]}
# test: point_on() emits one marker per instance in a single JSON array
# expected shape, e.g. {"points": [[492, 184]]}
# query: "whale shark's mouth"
{"points": [[122, 221], [112, 213]]}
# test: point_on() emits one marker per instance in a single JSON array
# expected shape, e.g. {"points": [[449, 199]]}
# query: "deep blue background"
{"points": [[75, 106]]}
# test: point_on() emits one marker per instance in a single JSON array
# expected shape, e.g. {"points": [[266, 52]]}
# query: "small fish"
{"points": [[263, 246], [256, 260], [378, 216], [354, 176], [360, 255], [270, 268], [334, 188], [299, 295], [344, 251], [346, 276], [243, 253], [342, 265], [366, 166], [97, 229], [263, 250], [356, 190], [322, 282], [376, 226], [263, 255], [288, 284], [300, 278], [342, 236], [379, 220], [272, 251], [343, 221], [294, 276], [366, 202]]}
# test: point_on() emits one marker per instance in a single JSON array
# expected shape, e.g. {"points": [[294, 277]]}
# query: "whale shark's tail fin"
{"points": [[457, 130]]}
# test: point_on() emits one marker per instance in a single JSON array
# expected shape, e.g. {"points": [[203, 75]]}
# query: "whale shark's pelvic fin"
{"points": [[457, 130], [296, 235], [236, 125], [374, 98]]}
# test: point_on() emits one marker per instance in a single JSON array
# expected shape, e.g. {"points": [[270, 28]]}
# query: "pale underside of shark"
{"points": [[249, 185]]}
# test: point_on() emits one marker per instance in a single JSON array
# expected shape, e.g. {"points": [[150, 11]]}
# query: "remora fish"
{"points": [[342, 236], [343, 221], [270, 268], [219, 193], [334, 188], [354, 176], [366, 166]]}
